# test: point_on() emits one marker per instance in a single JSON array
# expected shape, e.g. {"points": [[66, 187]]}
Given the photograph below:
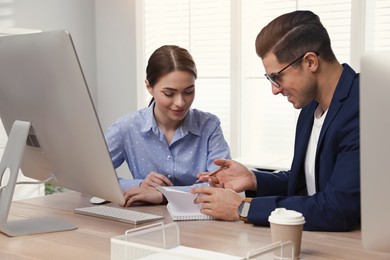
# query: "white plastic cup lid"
{"points": [[286, 217]]}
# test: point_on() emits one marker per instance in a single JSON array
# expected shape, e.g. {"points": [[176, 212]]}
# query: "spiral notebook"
{"points": [[181, 204]]}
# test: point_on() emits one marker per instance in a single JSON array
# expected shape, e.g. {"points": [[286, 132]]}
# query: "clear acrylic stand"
{"points": [[275, 251], [162, 241], [10, 165]]}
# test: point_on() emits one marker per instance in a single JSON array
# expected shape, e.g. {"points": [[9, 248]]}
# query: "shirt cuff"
{"points": [[126, 184]]}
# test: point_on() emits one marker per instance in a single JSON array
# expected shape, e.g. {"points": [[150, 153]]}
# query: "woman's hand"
{"points": [[155, 179], [142, 195]]}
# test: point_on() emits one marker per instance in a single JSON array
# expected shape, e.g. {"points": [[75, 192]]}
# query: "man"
{"points": [[324, 181]]}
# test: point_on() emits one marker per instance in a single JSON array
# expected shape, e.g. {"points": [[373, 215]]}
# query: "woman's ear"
{"points": [[149, 87]]}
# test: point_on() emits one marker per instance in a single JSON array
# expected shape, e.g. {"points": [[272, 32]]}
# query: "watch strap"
{"points": [[245, 219]]}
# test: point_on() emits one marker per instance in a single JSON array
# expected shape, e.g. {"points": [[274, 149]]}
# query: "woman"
{"points": [[167, 143]]}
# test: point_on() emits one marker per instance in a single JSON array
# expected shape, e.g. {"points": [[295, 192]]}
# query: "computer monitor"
{"points": [[375, 150], [44, 98]]}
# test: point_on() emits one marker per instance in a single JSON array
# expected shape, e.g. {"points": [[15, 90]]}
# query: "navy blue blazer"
{"points": [[336, 204]]}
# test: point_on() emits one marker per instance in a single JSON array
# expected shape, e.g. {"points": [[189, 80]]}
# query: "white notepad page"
{"points": [[181, 204]]}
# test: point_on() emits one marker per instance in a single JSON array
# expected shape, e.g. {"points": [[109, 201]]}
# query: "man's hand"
{"points": [[234, 176], [219, 203]]}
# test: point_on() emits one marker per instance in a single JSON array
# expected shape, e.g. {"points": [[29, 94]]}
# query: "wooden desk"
{"points": [[92, 238]]}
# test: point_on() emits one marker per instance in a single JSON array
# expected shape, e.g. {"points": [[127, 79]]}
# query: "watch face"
{"points": [[243, 209]]}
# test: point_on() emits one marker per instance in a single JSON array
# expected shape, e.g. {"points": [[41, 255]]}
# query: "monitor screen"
{"points": [[374, 150], [41, 82]]}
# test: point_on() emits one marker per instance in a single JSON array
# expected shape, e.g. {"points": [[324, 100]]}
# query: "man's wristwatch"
{"points": [[243, 209]]}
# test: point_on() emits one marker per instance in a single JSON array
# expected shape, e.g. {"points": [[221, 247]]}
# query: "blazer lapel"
{"points": [[297, 182], [341, 93]]}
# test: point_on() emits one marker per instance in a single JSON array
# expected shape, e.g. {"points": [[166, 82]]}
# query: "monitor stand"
{"points": [[10, 165]]}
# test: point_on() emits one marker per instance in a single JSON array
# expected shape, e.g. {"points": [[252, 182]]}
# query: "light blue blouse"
{"points": [[137, 139]]}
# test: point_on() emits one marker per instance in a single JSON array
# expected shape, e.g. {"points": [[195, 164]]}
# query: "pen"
{"points": [[213, 172]]}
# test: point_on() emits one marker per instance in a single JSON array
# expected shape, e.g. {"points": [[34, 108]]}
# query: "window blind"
{"points": [[265, 123], [269, 121], [381, 25], [203, 28]]}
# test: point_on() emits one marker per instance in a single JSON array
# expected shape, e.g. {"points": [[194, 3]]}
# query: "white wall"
{"points": [[116, 62], [76, 16], [116, 59], [104, 36]]}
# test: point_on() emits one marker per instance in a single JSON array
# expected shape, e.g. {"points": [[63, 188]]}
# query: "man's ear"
{"points": [[312, 61]]}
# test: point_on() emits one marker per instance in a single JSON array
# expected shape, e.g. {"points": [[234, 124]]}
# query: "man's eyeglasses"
{"points": [[272, 77]]}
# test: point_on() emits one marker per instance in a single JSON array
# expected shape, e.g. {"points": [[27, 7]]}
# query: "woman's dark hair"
{"points": [[166, 59], [292, 35]]}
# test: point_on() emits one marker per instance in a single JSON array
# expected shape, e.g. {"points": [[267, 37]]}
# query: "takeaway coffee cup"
{"points": [[287, 225]]}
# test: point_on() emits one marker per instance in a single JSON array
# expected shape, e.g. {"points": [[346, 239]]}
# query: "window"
{"points": [[6, 13], [378, 25], [220, 35], [195, 26]]}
